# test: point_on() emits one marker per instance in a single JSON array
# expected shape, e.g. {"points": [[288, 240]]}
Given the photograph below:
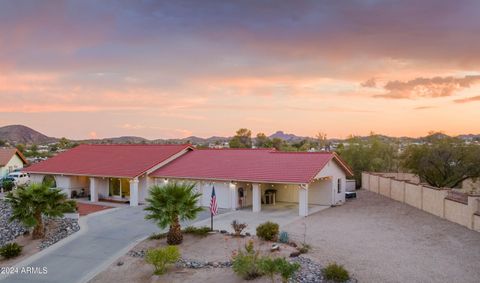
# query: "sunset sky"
{"points": [[165, 69]]}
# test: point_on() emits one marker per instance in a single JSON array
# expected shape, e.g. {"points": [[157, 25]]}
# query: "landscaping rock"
{"points": [[139, 253], [58, 229], [310, 272], [9, 230], [294, 254]]}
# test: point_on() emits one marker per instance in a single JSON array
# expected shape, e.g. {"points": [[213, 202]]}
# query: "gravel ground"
{"points": [[57, 229], [381, 240], [8, 230]]}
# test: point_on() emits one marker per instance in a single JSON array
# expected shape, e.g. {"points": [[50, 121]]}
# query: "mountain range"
{"points": [[20, 134]]}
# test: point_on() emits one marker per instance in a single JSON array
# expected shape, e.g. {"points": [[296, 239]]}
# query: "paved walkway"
{"points": [[106, 236]]}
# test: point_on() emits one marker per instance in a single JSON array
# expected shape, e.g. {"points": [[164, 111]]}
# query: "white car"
{"points": [[19, 178]]}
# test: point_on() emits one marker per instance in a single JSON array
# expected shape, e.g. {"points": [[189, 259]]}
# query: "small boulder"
{"points": [[295, 254]]}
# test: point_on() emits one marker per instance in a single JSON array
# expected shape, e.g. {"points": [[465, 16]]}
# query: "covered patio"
{"points": [[261, 180]]}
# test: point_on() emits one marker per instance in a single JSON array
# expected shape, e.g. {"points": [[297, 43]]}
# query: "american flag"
{"points": [[213, 202]]}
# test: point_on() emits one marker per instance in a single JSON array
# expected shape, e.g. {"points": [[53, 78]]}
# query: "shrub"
{"points": [[283, 237], [11, 250], [336, 273], [197, 231], [160, 258], [8, 185], [268, 231], [238, 227], [246, 263], [281, 266], [286, 269], [157, 236], [268, 266], [304, 248]]}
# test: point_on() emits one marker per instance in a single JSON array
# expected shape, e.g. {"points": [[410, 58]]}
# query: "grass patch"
{"points": [[336, 273], [197, 231]]}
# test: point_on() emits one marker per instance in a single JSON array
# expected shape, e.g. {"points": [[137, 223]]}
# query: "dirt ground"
{"points": [[381, 240], [30, 247], [217, 247]]}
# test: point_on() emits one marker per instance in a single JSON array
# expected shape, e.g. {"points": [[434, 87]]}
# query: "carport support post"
{"points": [[303, 200], [234, 195], [134, 192], [93, 190], [256, 198]]}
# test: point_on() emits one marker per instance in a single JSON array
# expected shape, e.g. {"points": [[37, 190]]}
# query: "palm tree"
{"points": [[171, 203], [31, 202]]}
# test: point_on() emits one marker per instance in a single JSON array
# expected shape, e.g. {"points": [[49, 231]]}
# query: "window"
{"points": [[339, 185]]}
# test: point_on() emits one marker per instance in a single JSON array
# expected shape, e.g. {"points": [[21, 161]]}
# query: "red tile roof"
{"points": [[249, 165], [7, 153], [126, 161]]}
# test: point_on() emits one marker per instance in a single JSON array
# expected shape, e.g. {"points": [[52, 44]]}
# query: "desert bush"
{"points": [[246, 263], [268, 266], [197, 231], [268, 231], [283, 238], [162, 257], [157, 236], [238, 227], [336, 273], [304, 248], [281, 266], [7, 185], [10, 250], [286, 269]]}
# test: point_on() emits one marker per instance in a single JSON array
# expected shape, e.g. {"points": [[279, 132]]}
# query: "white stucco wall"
{"points": [[333, 170], [14, 163], [320, 192]]}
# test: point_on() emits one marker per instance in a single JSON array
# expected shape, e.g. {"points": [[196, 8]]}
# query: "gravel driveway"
{"points": [[381, 240]]}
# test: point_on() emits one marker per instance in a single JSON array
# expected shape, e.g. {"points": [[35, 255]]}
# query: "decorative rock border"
{"points": [[8, 230]]}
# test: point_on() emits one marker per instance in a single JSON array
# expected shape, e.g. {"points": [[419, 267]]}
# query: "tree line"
{"points": [[440, 160]]}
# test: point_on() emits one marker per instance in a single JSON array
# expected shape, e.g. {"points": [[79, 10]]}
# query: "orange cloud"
{"points": [[468, 99], [427, 87]]}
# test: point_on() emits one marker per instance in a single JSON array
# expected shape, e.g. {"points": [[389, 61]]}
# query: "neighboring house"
{"points": [[10, 160], [241, 177]]}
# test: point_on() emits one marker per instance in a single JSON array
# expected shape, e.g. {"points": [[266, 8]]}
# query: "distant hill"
{"points": [[117, 140], [16, 134], [286, 137]]}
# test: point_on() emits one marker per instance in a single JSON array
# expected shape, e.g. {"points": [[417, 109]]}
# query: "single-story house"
{"points": [[116, 172], [241, 177], [11, 159]]}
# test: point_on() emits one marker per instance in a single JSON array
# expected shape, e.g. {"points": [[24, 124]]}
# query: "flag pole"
{"points": [[211, 221]]}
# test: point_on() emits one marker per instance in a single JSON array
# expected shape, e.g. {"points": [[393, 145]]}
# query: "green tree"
{"points": [[64, 143], [443, 162], [171, 203], [322, 141], [21, 148], [242, 139], [262, 141], [277, 143], [31, 202], [2, 143], [369, 154]]}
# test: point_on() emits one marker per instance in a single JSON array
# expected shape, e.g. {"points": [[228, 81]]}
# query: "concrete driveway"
{"points": [[104, 237], [381, 240]]}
